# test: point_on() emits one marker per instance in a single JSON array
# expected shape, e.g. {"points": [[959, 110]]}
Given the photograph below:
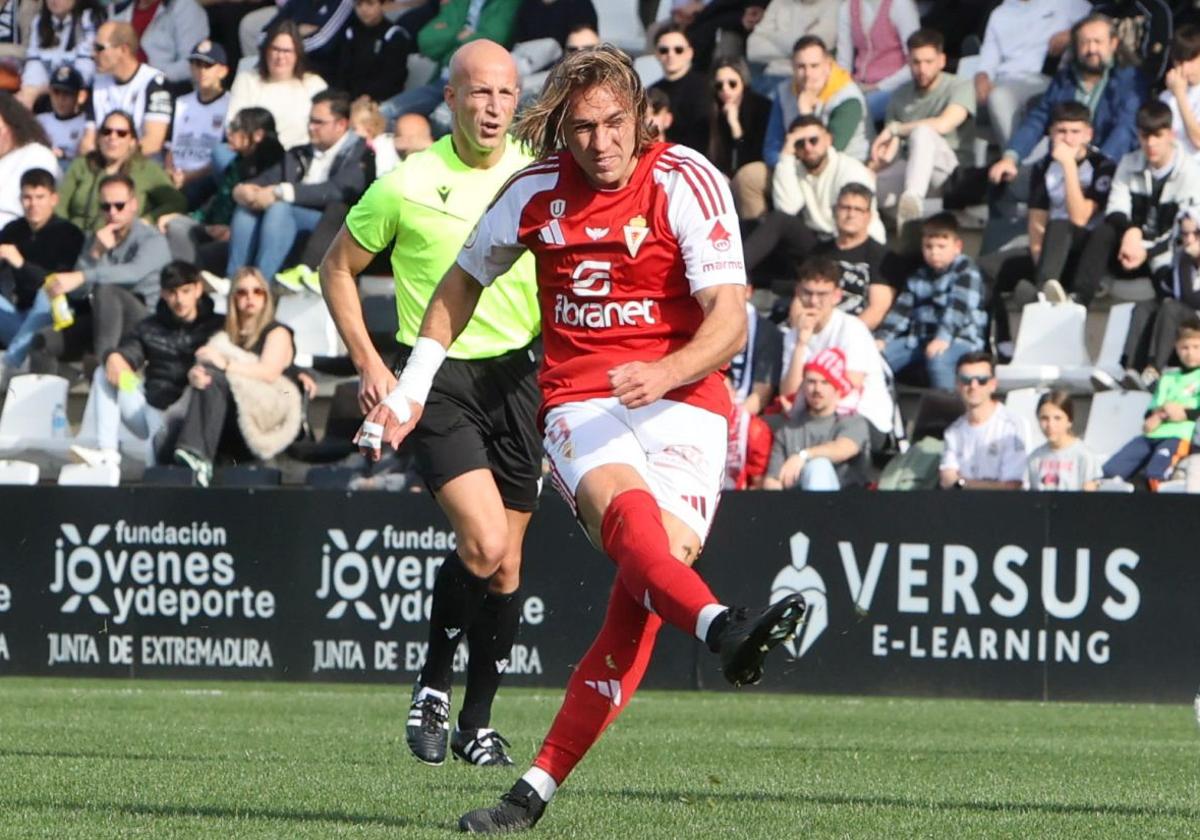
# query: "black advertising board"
{"points": [[1023, 596]]}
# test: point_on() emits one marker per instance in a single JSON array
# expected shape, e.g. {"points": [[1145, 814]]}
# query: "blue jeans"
{"points": [[19, 326], [940, 368], [819, 475], [1153, 456], [264, 239], [420, 100], [877, 102]]}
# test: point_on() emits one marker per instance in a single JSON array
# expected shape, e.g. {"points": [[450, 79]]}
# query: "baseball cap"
{"points": [[210, 52], [66, 77], [831, 364]]}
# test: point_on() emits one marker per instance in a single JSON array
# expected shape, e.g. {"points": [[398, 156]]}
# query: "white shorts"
{"points": [[677, 449]]}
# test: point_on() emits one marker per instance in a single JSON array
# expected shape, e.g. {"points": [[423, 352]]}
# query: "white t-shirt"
{"points": [[1193, 96], [850, 335], [144, 97], [64, 134], [197, 129], [992, 451]]}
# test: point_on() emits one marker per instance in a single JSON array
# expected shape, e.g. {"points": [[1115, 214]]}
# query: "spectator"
{"points": [[16, 21], [938, 317], [580, 38], [319, 180], [368, 123], [413, 134], [1148, 190], [1111, 92], [867, 289], [62, 36], [1183, 88], [321, 23], [23, 146], [929, 130], [162, 346], [782, 23], [749, 452], [815, 323], [202, 236], [1171, 419], [658, 112], [242, 403], [65, 122], [682, 83], [124, 83], [199, 123], [120, 265], [1063, 462], [804, 188], [1155, 323], [739, 118], [822, 88], [31, 248], [1021, 36], [167, 30], [1069, 189], [821, 449], [754, 372], [556, 19], [117, 153], [871, 43], [280, 83], [372, 54], [1144, 29], [985, 448], [719, 28]]}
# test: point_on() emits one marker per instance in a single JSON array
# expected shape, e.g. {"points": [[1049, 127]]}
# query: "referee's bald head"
{"points": [[482, 56]]}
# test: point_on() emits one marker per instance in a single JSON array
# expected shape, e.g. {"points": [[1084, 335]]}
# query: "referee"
{"points": [[477, 446]]}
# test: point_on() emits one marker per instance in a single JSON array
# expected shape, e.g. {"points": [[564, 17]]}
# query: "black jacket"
{"points": [[55, 247], [730, 155], [352, 171], [167, 347], [372, 60]]}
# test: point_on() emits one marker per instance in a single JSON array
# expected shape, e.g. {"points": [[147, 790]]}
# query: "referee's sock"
{"points": [[634, 537], [457, 598], [601, 686], [489, 642]]}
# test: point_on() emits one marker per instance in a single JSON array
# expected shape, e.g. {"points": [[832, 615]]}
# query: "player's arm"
{"points": [[343, 262], [721, 335]]}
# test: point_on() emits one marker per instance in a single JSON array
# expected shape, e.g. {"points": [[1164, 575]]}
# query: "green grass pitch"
{"points": [[100, 759]]}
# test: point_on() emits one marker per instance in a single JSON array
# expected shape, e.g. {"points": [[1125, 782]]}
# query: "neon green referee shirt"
{"points": [[427, 206]]}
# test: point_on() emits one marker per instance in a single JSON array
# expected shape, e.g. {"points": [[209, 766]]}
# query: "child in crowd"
{"points": [[1171, 418], [368, 123], [199, 123], [1063, 462], [65, 121], [938, 317]]}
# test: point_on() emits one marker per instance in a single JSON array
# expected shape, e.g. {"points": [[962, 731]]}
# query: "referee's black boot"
{"points": [[518, 810], [428, 726], [746, 637]]}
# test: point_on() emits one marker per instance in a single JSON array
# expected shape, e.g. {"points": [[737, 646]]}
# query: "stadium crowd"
{"points": [[905, 174]]}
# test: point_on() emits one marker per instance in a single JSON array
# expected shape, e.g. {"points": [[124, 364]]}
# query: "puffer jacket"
{"points": [[167, 347]]}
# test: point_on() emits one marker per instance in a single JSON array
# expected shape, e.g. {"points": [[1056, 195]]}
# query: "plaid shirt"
{"points": [[948, 306]]}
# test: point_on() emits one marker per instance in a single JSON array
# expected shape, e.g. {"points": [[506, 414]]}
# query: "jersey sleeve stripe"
{"points": [[547, 168], [703, 203], [704, 175]]}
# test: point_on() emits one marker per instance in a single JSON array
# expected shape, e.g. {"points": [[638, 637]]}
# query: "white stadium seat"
{"points": [[86, 475], [30, 408], [19, 472], [621, 26], [1023, 404], [1115, 417], [309, 319], [1050, 342]]}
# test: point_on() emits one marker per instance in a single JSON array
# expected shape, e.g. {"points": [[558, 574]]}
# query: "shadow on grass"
{"points": [[106, 755], [219, 812], [1060, 808]]}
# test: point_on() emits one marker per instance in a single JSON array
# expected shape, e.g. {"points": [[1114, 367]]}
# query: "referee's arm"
{"points": [[343, 262]]}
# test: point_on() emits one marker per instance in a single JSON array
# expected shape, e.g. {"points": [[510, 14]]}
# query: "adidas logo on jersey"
{"points": [[606, 688], [552, 233]]}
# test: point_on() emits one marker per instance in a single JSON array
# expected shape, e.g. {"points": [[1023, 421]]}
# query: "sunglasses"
{"points": [[981, 379], [809, 141], [668, 50], [109, 206], [119, 132], [732, 84], [247, 293], [97, 47]]}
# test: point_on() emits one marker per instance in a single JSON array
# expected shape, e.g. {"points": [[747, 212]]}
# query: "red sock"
{"points": [[635, 539], [602, 685]]}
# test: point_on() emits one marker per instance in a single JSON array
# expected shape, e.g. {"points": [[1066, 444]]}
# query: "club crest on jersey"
{"points": [[595, 234], [719, 237], [558, 207], [635, 234]]}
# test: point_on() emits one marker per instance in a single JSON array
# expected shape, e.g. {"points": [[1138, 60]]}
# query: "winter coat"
{"points": [[167, 347], [268, 413]]}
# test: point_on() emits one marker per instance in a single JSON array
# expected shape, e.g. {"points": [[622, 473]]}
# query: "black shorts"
{"points": [[482, 414]]}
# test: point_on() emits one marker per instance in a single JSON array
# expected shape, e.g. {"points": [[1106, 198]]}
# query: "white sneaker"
{"points": [[95, 457], [1102, 380], [909, 208], [216, 284], [1054, 291]]}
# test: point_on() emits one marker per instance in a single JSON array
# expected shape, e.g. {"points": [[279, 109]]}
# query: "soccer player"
{"points": [[478, 449], [641, 283]]}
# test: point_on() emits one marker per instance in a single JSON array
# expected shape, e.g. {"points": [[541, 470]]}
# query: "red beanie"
{"points": [[831, 364]]}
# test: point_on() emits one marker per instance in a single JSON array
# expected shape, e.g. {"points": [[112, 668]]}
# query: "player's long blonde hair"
{"points": [[540, 126]]}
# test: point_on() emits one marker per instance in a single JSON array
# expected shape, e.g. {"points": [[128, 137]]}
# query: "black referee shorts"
{"points": [[482, 414]]}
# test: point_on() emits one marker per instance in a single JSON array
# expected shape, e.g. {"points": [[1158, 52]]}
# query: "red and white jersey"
{"points": [[616, 269], [749, 452]]}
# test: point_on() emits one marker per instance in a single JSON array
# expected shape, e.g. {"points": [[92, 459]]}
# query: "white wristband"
{"points": [[417, 378]]}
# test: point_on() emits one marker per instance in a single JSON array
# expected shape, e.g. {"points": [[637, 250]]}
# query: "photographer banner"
{"points": [[956, 594]]}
